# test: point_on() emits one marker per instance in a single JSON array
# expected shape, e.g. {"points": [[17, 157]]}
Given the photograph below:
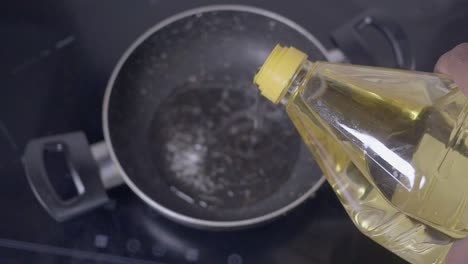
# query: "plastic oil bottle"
{"points": [[393, 145]]}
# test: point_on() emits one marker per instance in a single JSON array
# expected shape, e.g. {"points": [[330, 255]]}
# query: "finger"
{"points": [[455, 64], [459, 252], [442, 64]]}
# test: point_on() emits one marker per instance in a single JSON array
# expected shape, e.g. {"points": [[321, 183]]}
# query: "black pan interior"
{"points": [[191, 131]]}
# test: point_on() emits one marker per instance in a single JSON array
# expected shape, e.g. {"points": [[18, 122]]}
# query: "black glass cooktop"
{"points": [[55, 59], [127, 231]]}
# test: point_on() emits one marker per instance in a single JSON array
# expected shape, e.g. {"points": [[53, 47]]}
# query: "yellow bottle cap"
{"points": [[276, 74]]}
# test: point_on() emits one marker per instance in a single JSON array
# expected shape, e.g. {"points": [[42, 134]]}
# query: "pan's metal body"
{"points": [[173, 102]]}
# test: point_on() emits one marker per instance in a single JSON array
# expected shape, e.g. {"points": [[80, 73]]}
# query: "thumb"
{"points": [[454, 63]]}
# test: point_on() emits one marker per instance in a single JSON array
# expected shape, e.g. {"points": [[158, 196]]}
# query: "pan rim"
{"points": [[178, 217]]}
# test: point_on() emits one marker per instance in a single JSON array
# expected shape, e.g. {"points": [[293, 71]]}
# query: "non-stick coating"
{"points": [[218, 49]]}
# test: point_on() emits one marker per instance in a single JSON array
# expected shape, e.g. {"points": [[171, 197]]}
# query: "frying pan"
{"points": [[186, 130]]}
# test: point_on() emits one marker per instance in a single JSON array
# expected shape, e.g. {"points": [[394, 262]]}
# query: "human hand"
{"points": [[454, 63]]}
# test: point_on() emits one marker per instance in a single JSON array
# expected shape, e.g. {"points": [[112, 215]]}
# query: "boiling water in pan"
{"points": [[223, 148]]}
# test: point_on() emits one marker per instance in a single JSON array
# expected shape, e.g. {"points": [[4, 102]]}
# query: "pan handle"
{"points": [[109, 174], [349, 39], [81, 166]]}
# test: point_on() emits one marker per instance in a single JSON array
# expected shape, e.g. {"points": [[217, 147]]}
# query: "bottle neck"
{"points": [[300, 77]]}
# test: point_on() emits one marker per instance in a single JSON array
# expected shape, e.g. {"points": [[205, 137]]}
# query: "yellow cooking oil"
{"points": [[392, 143]]}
